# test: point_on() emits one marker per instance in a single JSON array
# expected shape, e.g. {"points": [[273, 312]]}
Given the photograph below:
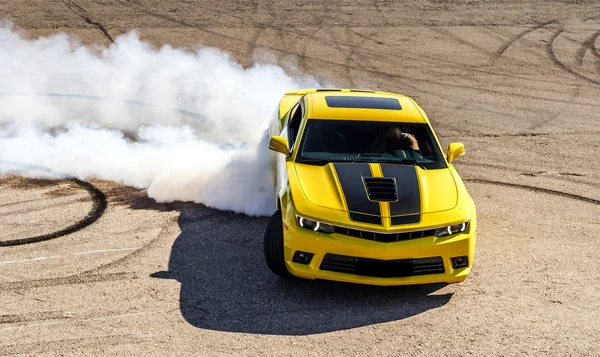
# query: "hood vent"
{"points": [[382, 189]]}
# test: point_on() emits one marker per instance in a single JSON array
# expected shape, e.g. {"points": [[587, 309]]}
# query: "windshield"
{"points": [[367, 141]]}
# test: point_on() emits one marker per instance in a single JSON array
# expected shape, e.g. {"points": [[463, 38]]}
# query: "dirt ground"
{"points": [[518, 82]]}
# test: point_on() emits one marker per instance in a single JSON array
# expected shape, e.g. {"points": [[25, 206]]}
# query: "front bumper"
{"points": [[300, 239]]}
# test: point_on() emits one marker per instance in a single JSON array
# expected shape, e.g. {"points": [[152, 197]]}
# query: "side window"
{"points": [[294, 124]]}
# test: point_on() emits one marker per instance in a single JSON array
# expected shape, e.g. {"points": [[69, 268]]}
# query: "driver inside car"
{"points": [[393, 139]]}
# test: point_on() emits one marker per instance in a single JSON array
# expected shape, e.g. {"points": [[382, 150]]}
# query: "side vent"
{"points": [[381, 189]]}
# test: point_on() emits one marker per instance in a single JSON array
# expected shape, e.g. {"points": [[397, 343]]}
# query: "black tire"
{"points": [[273, 247]]}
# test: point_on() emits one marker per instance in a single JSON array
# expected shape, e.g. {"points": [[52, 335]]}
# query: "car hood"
{"points": [[357, 189]]}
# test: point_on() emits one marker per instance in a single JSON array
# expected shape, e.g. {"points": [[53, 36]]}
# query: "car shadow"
{"points": [[226, 285]]}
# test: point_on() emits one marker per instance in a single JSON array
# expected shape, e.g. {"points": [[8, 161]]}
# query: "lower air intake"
{"points": [[382, 268]]}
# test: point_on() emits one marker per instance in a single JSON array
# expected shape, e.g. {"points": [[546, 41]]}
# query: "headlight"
{"points": [[450, 230], [314, 225]]}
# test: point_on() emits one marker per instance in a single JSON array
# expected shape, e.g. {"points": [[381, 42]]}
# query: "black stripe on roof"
{"points": [[334, 101]]}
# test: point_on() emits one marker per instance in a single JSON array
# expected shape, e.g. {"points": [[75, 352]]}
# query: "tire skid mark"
{"points": [[98, 251], [551, 117], [382, 14], [447, 63], [318, 59], [65, 317], [279, 37], [561, 176], [357, 52], [407, 79], [68, 280], [585, 46], [81, 12], [253, 43], [291, 30], [33, 316], [552, 55], [150, 244], [460, 40], [69, 344], [348, 57], [536, 189], [517, 37], [42, 207], [595, 50], [98, 207], [481, 135], [4, 205]]}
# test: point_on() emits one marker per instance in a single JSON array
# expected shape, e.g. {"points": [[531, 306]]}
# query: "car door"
{"points": [[290, 131]]}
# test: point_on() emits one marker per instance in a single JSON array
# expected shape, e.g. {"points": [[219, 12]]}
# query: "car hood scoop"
{"points": [[381, 189]]}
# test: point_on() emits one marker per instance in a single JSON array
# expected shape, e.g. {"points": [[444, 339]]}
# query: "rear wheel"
{"points": [[273, 245]]}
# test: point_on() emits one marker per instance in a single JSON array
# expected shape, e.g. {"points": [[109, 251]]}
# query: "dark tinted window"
{"points": [[362, 102], [294, 124], [350, 140]]}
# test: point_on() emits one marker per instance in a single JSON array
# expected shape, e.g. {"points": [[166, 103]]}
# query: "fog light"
{"points": [[460, 262], [302, 257]]}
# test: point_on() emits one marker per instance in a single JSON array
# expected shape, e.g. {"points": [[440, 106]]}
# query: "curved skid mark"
{"points": [[458, 39], [551, 117], [517, 37], [407, 79], [537, 189], [98, 198], [313, 35], [153, 242], [382, 14], [587, 44], [253, 43], [596, 53], [98, 208], [595, 50], [550, 51]]}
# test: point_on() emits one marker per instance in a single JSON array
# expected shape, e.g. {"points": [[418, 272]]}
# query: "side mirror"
{"points": [[279, 144], [455, 150]]}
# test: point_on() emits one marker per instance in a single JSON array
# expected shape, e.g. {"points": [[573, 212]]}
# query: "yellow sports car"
{"points": [[364, 192]]}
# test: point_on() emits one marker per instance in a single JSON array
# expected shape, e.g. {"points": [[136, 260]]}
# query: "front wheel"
{"points": [[273, 245]]}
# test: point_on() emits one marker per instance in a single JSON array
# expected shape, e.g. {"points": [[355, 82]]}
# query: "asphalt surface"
{"points": [[517, 81]]}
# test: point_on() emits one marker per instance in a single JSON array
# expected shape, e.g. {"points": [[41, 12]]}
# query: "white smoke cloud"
{"points": [[185, 126]]}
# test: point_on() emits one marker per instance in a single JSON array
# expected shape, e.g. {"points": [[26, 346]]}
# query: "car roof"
{"points": [[349, 104]]}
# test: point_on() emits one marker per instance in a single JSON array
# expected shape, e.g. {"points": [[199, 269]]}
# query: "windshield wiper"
{"points": [[312, 160], [412, 162], [402, 162]]}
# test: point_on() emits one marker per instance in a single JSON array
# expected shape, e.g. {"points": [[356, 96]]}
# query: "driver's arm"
{"points": [[414, 144]]}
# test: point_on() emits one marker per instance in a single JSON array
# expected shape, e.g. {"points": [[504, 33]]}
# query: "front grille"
{"points": [[382, 268], [383, 237], [381, 189]]}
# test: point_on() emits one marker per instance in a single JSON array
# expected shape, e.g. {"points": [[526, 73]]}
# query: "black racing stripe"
{"points": [[408, 206], [412, 218], [365, 218], [353, 189]]}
